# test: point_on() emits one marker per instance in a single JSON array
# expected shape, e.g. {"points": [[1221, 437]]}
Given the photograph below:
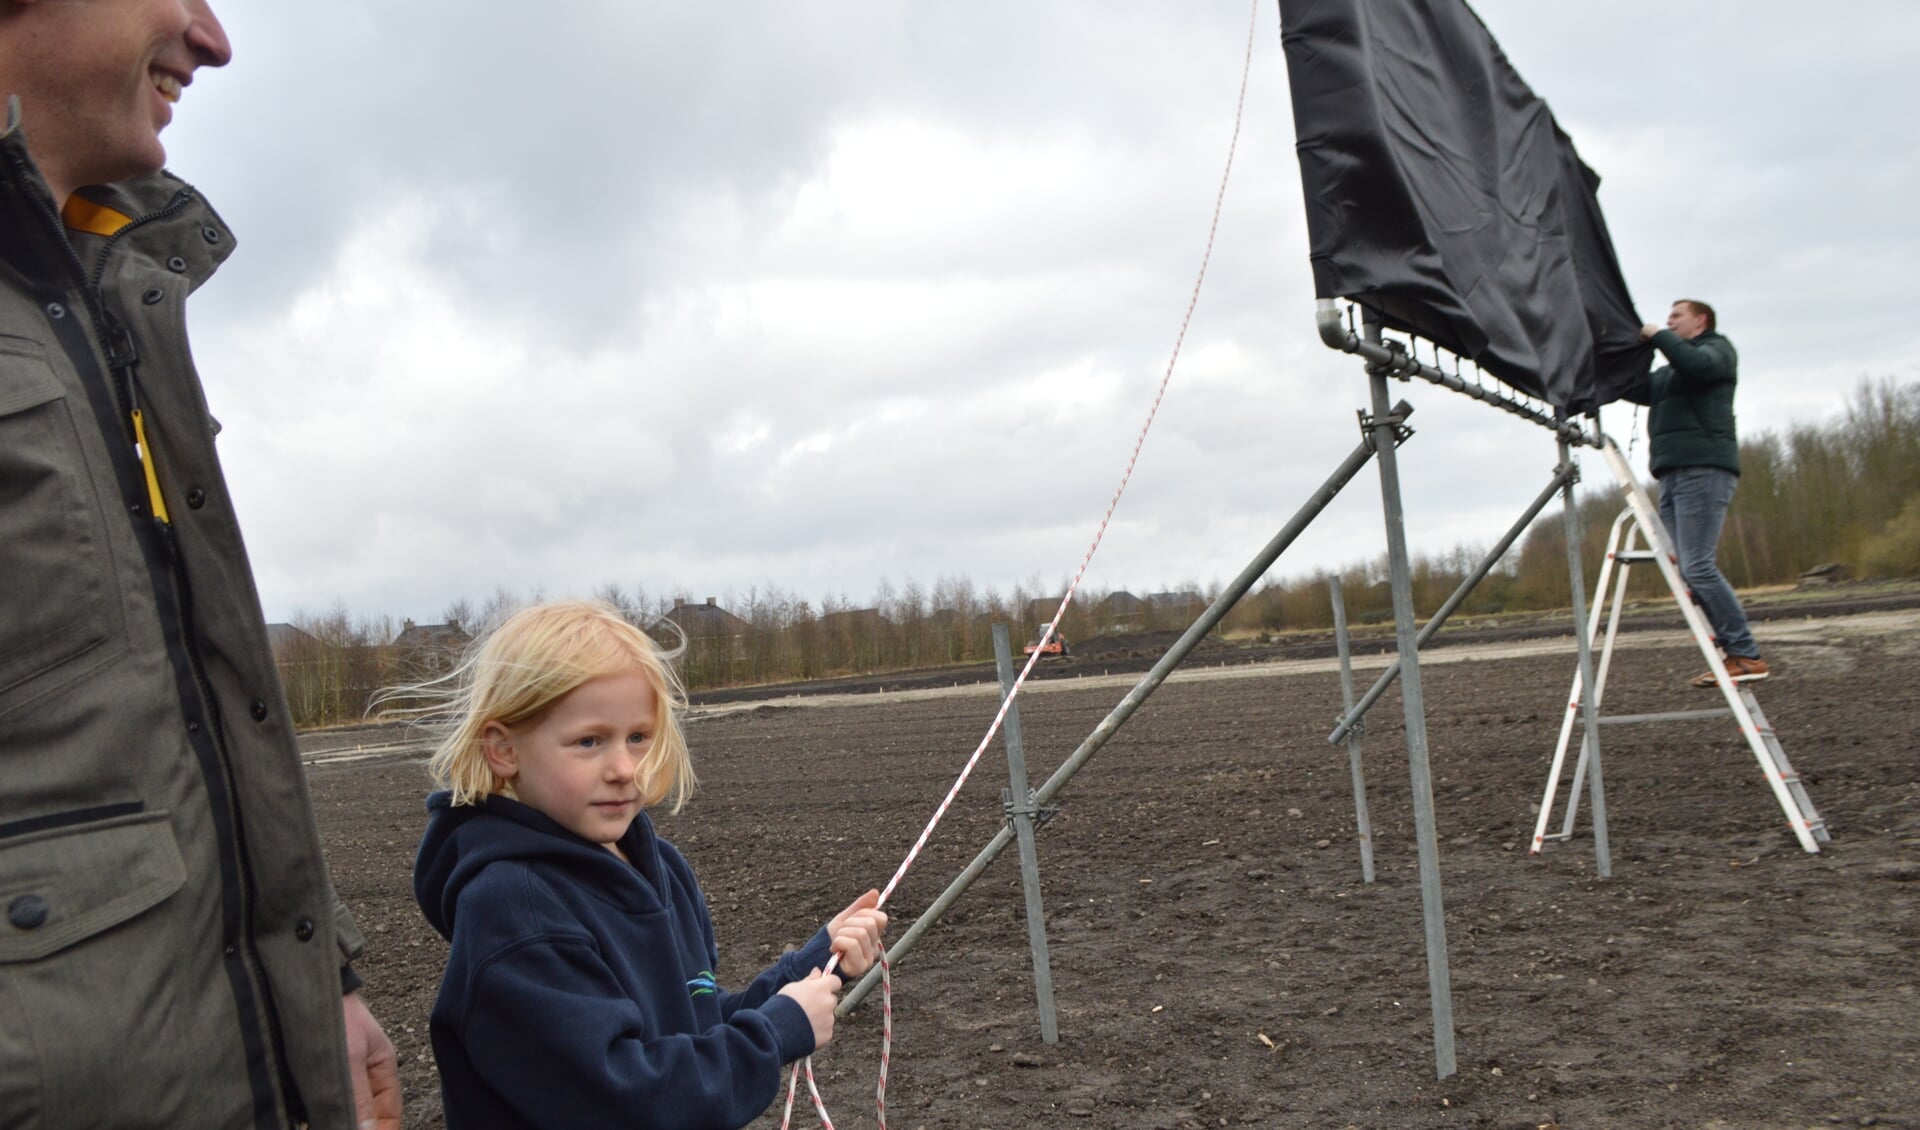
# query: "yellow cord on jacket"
{"points": [[145, 449]]}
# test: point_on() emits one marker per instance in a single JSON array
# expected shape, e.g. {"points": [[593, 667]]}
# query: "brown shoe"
{"points": [[1739, 668]]}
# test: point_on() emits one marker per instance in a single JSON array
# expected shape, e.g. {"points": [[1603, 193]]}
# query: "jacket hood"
{"points": [[461, 840]]}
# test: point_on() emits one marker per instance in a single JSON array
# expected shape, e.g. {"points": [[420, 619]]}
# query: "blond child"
{"points": [[579, 989]]}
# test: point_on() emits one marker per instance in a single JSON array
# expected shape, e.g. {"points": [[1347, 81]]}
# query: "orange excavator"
{"points": [[1055, 648]]}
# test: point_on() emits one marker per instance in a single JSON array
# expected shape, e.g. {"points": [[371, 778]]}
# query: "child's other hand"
{"points": [[856, 934], [817, 994]]}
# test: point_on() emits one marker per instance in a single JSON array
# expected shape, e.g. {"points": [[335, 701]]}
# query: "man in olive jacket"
{"points": [[1696, 457], [171, 950]]}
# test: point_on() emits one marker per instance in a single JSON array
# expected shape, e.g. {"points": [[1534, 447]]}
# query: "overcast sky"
{"points": [[707, 297]]}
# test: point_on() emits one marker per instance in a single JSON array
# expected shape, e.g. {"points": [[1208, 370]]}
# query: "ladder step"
{"points": [[1637, 555], [1667, 716]]}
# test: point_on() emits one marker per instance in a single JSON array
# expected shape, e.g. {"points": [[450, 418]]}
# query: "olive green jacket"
{"points": [[1690, 422], [171, 950]]}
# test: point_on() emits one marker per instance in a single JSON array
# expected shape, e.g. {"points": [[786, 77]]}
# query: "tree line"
{"points": [[1844, 492]]}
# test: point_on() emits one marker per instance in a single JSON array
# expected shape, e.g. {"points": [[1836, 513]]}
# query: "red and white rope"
{"points": [[913, 853]]}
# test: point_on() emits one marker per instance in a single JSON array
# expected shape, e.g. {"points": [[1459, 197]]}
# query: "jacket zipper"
{"points": [[122, 356], [183, 593]]}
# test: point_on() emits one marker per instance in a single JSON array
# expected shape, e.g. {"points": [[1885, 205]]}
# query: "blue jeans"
{"points": [[1693, 506]]}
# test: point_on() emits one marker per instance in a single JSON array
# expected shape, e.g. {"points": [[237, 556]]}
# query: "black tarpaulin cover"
{"points": [[1442, 195]]}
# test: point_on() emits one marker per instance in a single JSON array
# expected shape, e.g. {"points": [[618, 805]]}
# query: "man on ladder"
{"points": [[1695, 455]]}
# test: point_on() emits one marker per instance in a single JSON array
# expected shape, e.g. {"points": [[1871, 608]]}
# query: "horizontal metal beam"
{"points": [[1402, 364]]}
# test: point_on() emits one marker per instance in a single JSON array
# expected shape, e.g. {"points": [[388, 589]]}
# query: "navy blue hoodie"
{"points": [[579, 991]]}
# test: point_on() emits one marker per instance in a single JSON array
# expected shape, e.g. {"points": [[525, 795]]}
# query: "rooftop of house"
{"points": [[283, 635], [707, 619], [431, 635]]}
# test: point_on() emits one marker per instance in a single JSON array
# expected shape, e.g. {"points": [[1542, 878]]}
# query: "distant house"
{"points": [[1123, 611], [1040, 610], [1166, 610], [1186, 600], [852, 620], [715, 639], [430, 648], [285, 640], [701, 621]]}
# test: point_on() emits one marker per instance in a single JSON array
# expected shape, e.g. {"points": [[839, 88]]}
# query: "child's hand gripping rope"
{"points": [[856, 935], [816, 994]]}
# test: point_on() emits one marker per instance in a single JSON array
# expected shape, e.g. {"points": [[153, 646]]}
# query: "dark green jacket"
{"points": [[1690, 422], [170, 945]]}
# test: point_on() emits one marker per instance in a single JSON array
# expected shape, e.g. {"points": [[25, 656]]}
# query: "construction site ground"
{"points": [[1217, 960]]}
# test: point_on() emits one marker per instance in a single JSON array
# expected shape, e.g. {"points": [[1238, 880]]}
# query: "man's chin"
{"points": [[147, 157]]}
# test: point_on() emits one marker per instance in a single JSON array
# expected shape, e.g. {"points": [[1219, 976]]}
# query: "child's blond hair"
{"points": [[516, 673]]}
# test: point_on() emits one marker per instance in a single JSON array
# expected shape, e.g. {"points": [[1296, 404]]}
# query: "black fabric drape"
{"points": [[1442, 195]]}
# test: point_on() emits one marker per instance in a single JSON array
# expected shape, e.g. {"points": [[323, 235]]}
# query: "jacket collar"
{"points": [[158, 214]]}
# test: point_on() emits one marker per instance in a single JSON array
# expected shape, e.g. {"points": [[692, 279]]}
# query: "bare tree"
{"points": [[459, 613]]}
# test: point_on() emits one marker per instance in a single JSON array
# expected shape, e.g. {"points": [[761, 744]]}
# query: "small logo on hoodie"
{"points": [[703, 985]]}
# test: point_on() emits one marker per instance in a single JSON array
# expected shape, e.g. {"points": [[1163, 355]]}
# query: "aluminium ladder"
{"points": [[1641, 519]]}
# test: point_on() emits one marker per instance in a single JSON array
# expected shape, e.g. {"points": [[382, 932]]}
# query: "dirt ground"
{"points": [[1218, 961]]}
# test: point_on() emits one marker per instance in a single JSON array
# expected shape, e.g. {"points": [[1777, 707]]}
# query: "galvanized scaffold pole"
{"points": [[1388, 430], [1362, 819], [1021, 811], [1583, 643]]}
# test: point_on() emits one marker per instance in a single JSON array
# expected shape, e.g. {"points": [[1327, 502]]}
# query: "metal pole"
{"points": [[1148, 683], [1386, 427], [1335, 334], [1020, 810], [1622, 565], [1590, 696], [1355, 713], [1619, 556], [1362, 820]]}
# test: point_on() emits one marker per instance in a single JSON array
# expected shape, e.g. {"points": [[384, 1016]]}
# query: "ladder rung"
{"points": [[1668, 716], [1637, 555]]}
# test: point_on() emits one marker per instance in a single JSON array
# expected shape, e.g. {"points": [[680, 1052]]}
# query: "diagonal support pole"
{"points": [[1222, 604], [1452, 604]]}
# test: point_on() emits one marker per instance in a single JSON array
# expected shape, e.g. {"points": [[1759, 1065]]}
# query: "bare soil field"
{"points": [[1217, 959]]}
